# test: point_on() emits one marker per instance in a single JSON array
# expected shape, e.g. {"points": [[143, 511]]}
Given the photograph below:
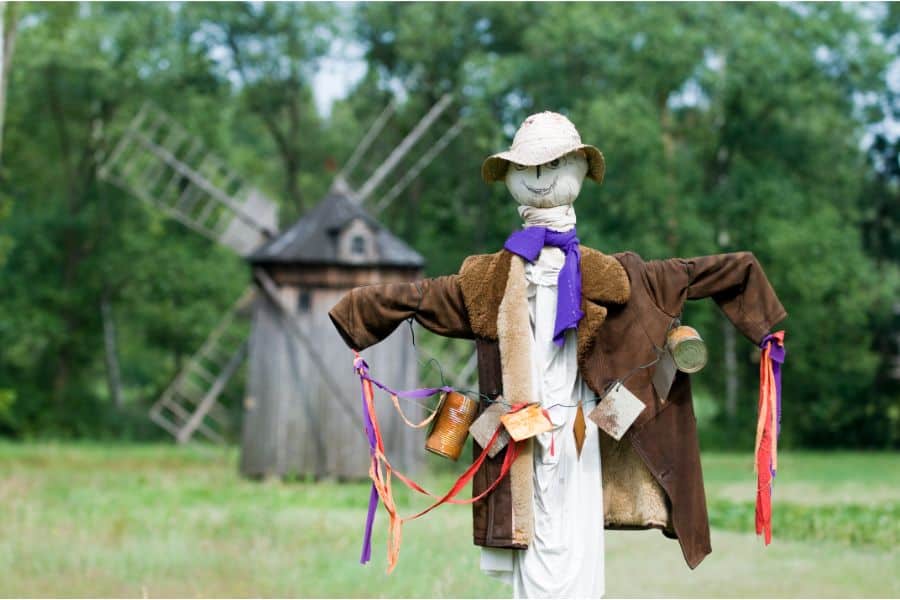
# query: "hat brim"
{"points": [[494, 167]]}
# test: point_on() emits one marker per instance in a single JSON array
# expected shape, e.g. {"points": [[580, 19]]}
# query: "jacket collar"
{"points": [[483, 280], [603, 278]]}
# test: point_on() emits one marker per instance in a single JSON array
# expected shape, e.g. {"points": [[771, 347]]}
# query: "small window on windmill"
{"points": [[356, 243], [358, 246], [304, 301]]}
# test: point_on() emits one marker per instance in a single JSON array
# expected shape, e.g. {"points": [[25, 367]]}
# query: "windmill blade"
{"points": [[375, 129], [162, 164], [367, 140], [405, 146], [418, 167], [209, 399], [189, 404]]}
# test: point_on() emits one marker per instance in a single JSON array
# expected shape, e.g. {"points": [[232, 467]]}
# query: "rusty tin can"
{"points": [[451, 427]]}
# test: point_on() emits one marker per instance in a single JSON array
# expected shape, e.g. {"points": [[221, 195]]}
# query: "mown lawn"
{"points": [[125, 520]]}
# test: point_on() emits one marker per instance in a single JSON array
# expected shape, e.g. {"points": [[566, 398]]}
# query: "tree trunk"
{"points": [[731, 370], [8, 26], [671, 199], [113, 373], [292, 182]]}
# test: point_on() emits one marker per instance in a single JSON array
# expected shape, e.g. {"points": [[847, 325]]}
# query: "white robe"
{"points": [[565, 557]]}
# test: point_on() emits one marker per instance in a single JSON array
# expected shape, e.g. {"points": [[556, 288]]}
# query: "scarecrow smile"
{"points": [[541, 191]]}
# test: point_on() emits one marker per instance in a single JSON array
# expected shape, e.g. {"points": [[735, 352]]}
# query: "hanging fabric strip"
{"points": [[362, 368], [412, 394], [366, 554], [381, 471], [406, 420], [768, 427]]}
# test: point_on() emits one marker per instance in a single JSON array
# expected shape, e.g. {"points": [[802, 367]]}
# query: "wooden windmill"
{"points": [[299, 414]]}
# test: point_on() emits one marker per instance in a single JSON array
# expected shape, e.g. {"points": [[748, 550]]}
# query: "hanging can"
{"points": [[687, 349], [451, 428]]}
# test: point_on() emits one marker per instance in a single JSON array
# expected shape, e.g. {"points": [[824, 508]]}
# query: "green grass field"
{"points": [[126, 520]]}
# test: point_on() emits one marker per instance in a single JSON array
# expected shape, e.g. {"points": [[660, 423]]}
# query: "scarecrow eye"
{"points": [[553, 164], [519, 167]]}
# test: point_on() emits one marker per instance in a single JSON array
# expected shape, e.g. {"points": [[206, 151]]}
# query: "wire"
{"points": [[659, 354], [498, 400]]}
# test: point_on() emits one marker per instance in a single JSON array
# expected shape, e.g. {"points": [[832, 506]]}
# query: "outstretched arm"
{"points": [[366, 315], [735, 281]]}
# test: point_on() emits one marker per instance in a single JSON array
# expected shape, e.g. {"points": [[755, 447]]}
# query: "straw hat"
{"points": [[543, 137]]}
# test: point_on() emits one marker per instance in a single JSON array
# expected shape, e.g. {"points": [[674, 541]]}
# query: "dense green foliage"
{"points": [[725, 127]]}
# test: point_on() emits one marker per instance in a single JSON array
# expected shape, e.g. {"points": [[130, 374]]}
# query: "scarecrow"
{"points": [[578, 333]]}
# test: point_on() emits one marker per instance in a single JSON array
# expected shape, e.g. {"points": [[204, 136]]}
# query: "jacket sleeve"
{"points": [[366, 315], [735, 281]]}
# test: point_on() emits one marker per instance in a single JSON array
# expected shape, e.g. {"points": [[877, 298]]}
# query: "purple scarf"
{"points": [[528, 243]]}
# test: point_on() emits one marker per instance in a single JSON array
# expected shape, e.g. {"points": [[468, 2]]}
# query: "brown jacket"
{"points": [[652, 478]]}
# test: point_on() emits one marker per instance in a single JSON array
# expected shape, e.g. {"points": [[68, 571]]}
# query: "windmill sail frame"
{"points": [[209, 199]]}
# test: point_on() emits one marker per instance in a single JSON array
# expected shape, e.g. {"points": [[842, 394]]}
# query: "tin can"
{"points": [[687, 348], [451, 427]]}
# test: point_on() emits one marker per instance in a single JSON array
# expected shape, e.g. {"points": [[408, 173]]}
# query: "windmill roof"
{"points": [[313, 239]]}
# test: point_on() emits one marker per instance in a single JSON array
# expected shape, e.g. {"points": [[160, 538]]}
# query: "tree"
{"points": [[271, 51], [8, 30], [78, 242]]}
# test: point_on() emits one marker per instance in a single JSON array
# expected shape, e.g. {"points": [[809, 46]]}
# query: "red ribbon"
{"points": [[767, 426]]}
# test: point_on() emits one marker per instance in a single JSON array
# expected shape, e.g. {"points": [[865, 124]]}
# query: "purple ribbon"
{"points": [[366, 554], [417, 394], [363, 370], [528, 243]]}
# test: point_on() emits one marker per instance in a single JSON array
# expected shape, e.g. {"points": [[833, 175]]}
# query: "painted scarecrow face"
{"points": [[554, 183]]}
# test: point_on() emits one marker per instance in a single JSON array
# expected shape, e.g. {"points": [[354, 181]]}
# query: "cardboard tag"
{"points": [[526, 423], [664, 376], [486, 424], [616, 411]]}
